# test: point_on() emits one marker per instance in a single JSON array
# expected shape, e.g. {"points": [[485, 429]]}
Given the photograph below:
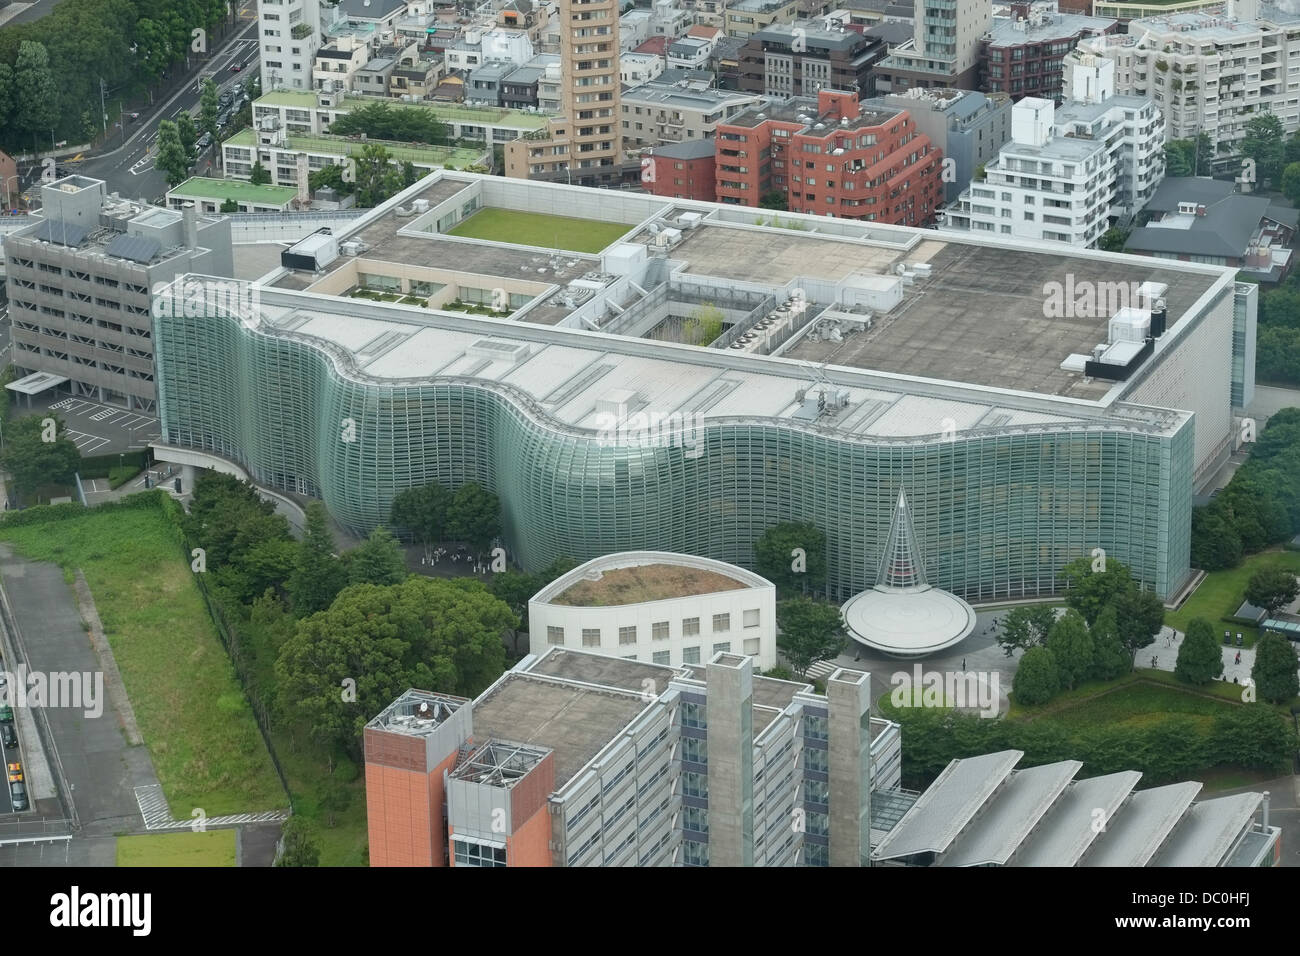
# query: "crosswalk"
{"points": [[158, 816]]}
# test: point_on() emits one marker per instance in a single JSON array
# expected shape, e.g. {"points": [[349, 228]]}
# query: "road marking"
{"points": [[158, 815], [100, 416]]}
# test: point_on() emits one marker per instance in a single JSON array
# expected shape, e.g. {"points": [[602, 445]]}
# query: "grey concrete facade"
{"points": [[731, 760], [849, 758]]}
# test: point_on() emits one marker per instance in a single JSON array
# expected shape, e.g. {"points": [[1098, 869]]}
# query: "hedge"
{"points": [[101, 466]]}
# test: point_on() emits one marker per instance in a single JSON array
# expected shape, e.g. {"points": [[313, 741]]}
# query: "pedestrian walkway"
{"points": [[823, 669], [158, 815], [1163, 655]]}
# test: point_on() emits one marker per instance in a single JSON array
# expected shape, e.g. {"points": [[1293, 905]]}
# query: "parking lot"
{"points": [[99, 429]]}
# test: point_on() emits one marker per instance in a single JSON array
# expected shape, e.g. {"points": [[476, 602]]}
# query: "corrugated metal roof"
{"points": [[1013, 812], [1138, 829], [1067, 830], [1208, 831]]}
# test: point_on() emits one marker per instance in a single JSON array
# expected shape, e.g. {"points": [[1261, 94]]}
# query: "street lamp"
{"points": [[8, 192]]}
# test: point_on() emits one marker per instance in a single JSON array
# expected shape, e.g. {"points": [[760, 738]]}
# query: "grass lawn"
{"points": [[1221, 593], [1138, 703], [539, 229], [188, 703], [212, 848]]}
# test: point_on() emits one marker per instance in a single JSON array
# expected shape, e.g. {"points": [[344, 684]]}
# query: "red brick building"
{"points": [[830, 157], [680, 170]]}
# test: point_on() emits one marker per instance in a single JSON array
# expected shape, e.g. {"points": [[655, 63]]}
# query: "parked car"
{"points": [[8, 736], [6, 715], [18, 796], [15, 772], [204, 141]]}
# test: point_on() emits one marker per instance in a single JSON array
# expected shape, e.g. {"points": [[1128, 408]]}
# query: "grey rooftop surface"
{"points": [[1135, 833], [1067, 830], [603, 671], [573, 720], [417, 713], [948, 806], [1013, 812], [1208, 830]]}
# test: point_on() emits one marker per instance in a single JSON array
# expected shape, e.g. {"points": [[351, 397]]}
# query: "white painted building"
{"points": [[1211, 71], [289, 33], [637, 68], [735, 614], [1067, 172]]}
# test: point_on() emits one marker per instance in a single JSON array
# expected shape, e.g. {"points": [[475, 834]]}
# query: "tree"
{"points": [[376, 642], [1275, 670], [703, 325], [1025, 627], [230, 205], [331, 176], [298, 847], [792, 555], [1089, 590], [514, 589], [422, 511], [1263, 144], [1113, 240], [376, 176], [1272, 589], [474, 516], [336, 800], [38, 451], [1291, 183], [1072, 648], [318, 576], [208, 108], [810, 631], [1141, 616], [409, 174], [35, 96], [1036, 681], [229, 519], [258, 175], [187, 134], [172, 159], [378, 560], [1109, 658], [1253, 736], [1200, 660], [1216, 545], [773, 199]]}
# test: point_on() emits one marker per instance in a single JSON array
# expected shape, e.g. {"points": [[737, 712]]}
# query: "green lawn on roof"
{"points": [[539, 229]]}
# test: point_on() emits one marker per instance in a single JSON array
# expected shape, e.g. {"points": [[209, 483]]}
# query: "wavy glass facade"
{"points": [[996, 514]]}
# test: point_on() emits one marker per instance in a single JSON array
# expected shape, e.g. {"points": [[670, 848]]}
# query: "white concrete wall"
{"points": [[674, 611]]}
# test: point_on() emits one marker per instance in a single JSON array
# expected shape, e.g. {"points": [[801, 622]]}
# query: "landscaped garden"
{"points": [[539, 229], [1221, 593]]}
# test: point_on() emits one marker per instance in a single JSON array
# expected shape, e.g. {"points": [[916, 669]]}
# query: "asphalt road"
{"points": [[128, 168], [34, 11]]}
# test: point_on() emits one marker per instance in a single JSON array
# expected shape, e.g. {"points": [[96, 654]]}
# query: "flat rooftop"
{"points": [[417, 713], [572, 720], [202, 187], [643, 583], [602, 670]]}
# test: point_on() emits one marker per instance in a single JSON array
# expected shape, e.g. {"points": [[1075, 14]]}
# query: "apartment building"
{"points": [[1067, 173], [799, 59], [637, 68], [743, 18], [1023, 54], [80, 284], [677, 112], [1210, 71], [290, 32], [338, 61], [831, 157], [944, 49], [680, 170], [967, 127], [576, 759], [584, 145]]}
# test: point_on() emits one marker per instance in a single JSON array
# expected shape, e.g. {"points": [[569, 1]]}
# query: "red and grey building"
{"points": [[828, 156], [683, 170], [1022, 55]]}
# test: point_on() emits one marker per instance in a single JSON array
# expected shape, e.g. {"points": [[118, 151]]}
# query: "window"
{"points": [[751, 618], [659, 631], [752, 646], [815, 760], [722, 648], [627, 635], [690, 625], [695, 819], [591, 637], [554, 635], [695, 750], [478, 854], [691, 655], [660, 657], [695, 784], [691, 715], [721, 623], [817, 791], [816, 727]]}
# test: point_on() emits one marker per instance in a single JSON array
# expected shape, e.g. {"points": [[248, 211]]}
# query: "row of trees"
{"points": [[51, 68], [1260, 506], [403, 124], [1249, 736]]}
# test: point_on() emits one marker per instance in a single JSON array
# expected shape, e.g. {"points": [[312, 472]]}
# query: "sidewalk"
{"points": [[1163, 655]]}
